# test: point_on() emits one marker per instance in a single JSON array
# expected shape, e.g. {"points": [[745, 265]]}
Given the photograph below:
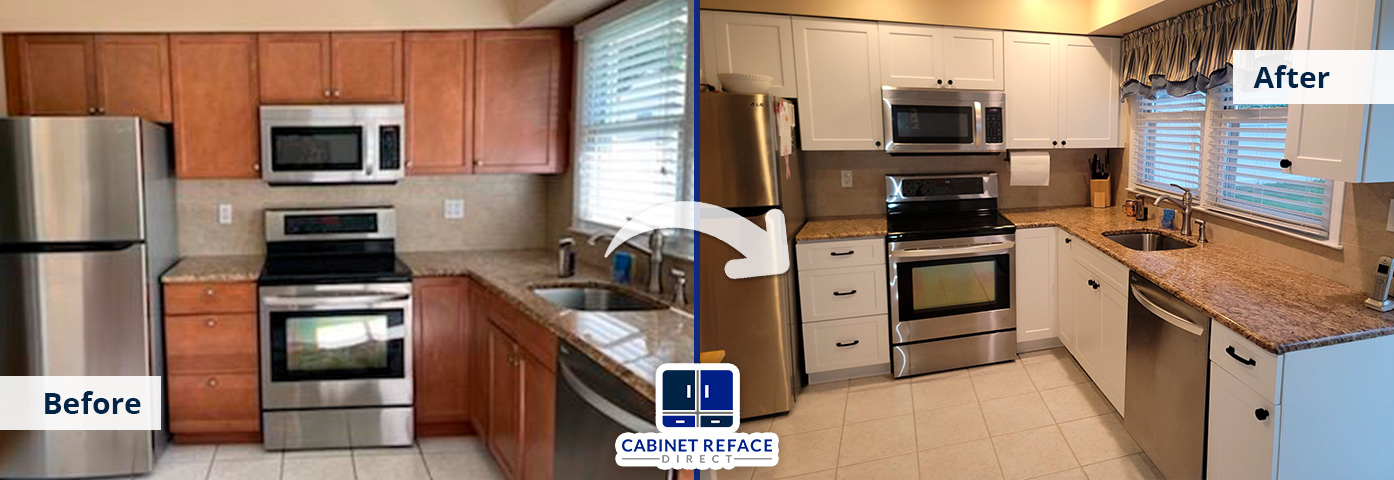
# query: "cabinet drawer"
{"points": [[1110, 271], [847, 343], [842, 292], [211, 343], [841, 254], [199, 298], [214, 403], [1266, 368]]}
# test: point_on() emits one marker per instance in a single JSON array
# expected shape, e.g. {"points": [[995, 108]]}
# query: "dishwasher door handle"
{"points": [[1171, 318], [598, 402]]}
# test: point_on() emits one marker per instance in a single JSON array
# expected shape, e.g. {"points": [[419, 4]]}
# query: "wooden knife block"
{"points": [[1101, 193]]}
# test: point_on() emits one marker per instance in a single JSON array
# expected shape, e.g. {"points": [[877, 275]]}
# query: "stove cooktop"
{"points": [[929, 226], [334, 268]]}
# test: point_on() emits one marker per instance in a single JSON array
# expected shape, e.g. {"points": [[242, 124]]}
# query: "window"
{"points": [[1229, 154], [633, 138]]}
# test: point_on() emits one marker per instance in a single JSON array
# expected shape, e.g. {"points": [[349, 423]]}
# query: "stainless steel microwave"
{"points": [[307, 144], [920, 120]]}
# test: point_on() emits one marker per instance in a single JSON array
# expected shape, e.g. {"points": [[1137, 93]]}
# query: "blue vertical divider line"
{"points": [[694, 13]]}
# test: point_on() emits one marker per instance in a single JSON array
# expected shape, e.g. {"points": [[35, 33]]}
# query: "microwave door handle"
{"points": [[979, 136], [945, 252], [332, 300]]}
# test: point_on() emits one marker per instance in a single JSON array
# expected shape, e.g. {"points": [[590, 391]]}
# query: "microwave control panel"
{"points": [[992, 125], [389, 147]]}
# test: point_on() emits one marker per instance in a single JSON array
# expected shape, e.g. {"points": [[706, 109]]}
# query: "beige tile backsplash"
{"points": [[501, 211]]}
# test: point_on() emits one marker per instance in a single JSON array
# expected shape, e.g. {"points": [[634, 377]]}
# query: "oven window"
{"points": [[336, 345], [939, 288], [316, 148], [932, 124]]}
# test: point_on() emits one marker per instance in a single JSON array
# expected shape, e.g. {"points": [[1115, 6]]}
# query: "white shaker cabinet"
{"points": [[749, 43], [843, 303], [1062, 91], [1096, 290], [1239, 444], [1035, 284], [839, 84], [924, 56]]}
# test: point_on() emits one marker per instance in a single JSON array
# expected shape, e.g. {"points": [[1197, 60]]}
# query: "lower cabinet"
{"points": [[519, 362], [1091, 313], [1243, 428], [211, 362], [1036, 286], [843, 309], [442, 363]]}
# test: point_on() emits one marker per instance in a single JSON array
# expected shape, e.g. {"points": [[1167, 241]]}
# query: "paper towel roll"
{"points": [[1030, 169]]}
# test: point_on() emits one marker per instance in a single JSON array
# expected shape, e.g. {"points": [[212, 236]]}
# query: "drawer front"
{"points": [[842, 292], [1256, 367], [200, 298], [214, 403], [222, 343], [848, 343], [850, 253], [1110, 271]]}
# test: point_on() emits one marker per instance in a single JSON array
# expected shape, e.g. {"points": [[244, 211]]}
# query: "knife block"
{"points": [[1101, 193]]}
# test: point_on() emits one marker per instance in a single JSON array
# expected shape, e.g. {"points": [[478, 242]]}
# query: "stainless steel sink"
{"points": [[1148, 242], [596, 299]]}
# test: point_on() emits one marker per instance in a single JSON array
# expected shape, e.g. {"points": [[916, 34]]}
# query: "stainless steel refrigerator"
{"points": [[87, 225], [754, 320]]}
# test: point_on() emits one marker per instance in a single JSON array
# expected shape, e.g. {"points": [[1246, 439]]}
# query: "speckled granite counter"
{"points": [[630, 345], [842, 228]]}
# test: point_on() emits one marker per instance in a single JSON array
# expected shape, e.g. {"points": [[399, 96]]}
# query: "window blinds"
{"points": [[633, 140], [1166, 146]]}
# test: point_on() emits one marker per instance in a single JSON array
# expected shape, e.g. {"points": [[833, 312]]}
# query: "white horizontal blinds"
{"points": [[1245, 144], [632, 141], [1166, 144]]}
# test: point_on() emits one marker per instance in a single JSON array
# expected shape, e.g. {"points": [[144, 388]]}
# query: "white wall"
{"points": [[249, 15]]}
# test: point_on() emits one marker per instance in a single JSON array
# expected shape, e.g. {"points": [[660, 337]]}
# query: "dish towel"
{"points": [[1030, 169], [784, 119]]}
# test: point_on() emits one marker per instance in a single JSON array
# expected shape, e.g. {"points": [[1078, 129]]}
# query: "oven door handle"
{"points": [[951, 251], [307, 301], [619, 415]]}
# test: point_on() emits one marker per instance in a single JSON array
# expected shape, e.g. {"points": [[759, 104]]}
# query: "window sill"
{"points": [[1334, 244]]}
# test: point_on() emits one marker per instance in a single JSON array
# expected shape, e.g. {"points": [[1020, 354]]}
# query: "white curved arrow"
{"points": [[766, 251]]}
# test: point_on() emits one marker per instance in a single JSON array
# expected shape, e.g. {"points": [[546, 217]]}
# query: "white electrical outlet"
{"points": [[1389, 223], [846, 179], [454, 209], [225, 214]]}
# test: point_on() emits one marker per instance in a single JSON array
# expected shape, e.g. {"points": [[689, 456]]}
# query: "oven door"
{"points": [[951, 287], [336, 346]]}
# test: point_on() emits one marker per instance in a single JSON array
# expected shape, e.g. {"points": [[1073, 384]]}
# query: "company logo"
{"points": [[697, 413]]}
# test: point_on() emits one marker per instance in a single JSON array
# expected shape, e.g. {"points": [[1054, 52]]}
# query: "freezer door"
{"points": [[74, 313], [70, 180], [738, 148]]}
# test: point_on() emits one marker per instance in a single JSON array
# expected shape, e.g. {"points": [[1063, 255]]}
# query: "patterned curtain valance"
{"points": [[1192, 51]]}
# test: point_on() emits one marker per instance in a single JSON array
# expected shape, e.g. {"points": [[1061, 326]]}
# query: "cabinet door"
{"points": [[295, 68], [1089, 94], [1035, 284], [55, 75], [1113, 345], [972, 58], [1031, 66], [521, 105], [539, 412], [753, 43], [367, 67], [1328, 141], [214, 404], [1065, 275], [1087, 341], [839, 77], [214, 82], [1238, 444], [133, 76], [911, 55], [441, 360], [504, 401], [440, 102]]}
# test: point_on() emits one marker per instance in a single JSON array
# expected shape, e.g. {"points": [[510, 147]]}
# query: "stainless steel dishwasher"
{"points": [[1167, 379], [593, 408]]}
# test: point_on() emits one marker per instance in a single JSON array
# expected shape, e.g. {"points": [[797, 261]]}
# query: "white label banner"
{"points": [[80, 403], [1312, 77]]}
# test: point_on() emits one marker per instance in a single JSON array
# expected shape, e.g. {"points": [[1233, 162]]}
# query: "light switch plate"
{"points": [[1389, 223], [454, 209], [225, 214], [846, 179]]}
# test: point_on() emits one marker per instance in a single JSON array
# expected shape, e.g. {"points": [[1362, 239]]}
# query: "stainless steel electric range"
{"points": [[335, 331], [950, 269]]}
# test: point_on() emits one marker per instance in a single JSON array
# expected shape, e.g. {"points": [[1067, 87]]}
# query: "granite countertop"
{"points": [[842, 228], [629, 344]]}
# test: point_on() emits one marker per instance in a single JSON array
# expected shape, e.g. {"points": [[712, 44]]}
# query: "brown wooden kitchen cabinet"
{"points": [[214, 78], [309, 68], [211, 362], [442, 333], [522, 85], [521, 390], [116, 74], [440, 102]]}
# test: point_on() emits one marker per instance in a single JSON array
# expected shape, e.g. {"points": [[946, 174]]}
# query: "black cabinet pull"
{"points": [[1247, 361], [1068, 240], [1062, 143], [839, 254], [878, 144], [951, 81], [1261, 414], [1285, 163], [839, 294], [1053, 142], [1094, 284], [941, 81], [854, 342]]}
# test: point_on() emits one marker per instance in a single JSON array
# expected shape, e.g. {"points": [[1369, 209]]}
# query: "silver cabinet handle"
{"points": [[328, 92], [948, 251], [1171, 318], [333, 300], [210, 323], [212, 383], [208, 292]]}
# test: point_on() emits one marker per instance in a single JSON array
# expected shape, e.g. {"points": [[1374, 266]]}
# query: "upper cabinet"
{"points": [[1062, 91], [750, 43], [440, 102], [924, 56], [215, 101], [307, 68], [839, 80], [522, 101], [124, 75]]}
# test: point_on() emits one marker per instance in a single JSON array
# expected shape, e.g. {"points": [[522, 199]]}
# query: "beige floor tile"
{"points": [[1056, 373], [877, 381], [875, 403], [1002, 383], [965, 461], [1016, 413], [402, 466], [202, 454], [1073, 402], [757, 425], [1100, 438], [812, 412], [258, 469], [949, 425], [823, 475], [839, 386], [1033, 453], [462, 466], [943, 392], [995, 368], [317, 468], [1132, 467], [325, 453], [962, 372], [804, 453], [1071, 474], [244, 451], [178, 471], [877, 439], [374, 451], [1044, 355], [471, 444], [894, 468]]}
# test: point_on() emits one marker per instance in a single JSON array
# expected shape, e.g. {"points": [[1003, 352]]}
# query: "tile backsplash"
{"points": [[501, 211]]}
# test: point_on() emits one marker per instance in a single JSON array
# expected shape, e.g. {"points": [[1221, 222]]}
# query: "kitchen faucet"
{"points": [[1185, 205], [654, 251]]}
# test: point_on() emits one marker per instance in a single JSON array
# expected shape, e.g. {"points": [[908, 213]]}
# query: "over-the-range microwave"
{"points": [[923, 120], [308, 144]]}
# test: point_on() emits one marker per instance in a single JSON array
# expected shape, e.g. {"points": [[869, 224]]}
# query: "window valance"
{"points": [[1191, 52]]}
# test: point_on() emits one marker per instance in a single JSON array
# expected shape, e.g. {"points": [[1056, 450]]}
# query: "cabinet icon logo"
{"points": [[697, 413]]}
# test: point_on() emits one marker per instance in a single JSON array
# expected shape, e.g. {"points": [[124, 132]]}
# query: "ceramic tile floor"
{"points": [[435, 458], [1036, 417]]}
